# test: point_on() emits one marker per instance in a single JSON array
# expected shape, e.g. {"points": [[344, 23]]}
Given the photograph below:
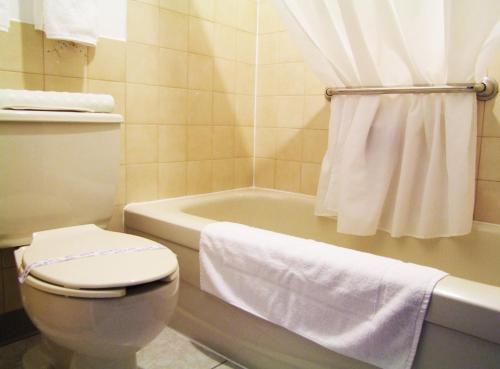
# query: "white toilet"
{"points": [[96, 296]]}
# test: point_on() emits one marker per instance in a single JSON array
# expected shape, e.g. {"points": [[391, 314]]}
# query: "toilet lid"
{"points": [[98, 259]]}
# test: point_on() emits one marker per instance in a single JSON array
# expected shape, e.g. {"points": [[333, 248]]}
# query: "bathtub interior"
{"points": [[474, 256]]}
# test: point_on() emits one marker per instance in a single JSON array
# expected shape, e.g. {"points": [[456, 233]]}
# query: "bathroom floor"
{"points": [[169, 350]]}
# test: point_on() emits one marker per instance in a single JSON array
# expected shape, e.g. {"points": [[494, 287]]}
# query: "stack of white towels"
{"points": [[69, 20]]}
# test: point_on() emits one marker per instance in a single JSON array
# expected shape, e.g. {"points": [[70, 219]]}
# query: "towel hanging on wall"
{"points": [[68, 20], [401, 163]]}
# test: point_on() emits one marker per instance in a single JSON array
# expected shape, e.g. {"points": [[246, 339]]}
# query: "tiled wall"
{"points": [[184, 81], [292, 114], [292, 121]]}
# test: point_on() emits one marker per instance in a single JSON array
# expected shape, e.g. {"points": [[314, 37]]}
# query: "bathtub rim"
{"points": [[453, 298]]}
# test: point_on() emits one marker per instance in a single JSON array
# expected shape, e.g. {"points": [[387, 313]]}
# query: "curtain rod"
{"points": [[485, 90]]}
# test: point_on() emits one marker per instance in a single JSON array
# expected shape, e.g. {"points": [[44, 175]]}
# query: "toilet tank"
{"points": [[56, 169]]}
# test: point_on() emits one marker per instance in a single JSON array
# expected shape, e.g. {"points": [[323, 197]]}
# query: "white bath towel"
{"points": [[4, 15], [368, 307], [69, 20]]}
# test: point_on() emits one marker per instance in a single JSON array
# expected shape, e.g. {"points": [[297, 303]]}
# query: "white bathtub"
{"points": [[462, 327]]}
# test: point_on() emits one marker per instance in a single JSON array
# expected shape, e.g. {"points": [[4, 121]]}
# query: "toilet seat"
{"points": [[97, 275]]}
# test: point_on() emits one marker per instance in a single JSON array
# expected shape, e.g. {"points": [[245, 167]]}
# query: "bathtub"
{"points": [[461, 329]]}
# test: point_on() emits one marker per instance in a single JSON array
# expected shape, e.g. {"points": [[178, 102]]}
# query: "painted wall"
{"points": [[112, 21]]}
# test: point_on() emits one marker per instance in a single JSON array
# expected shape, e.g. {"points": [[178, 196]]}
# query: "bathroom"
{"points": [[221, 111]]}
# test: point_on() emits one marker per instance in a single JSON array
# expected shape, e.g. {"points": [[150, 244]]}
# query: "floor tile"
{"points": [[174, 351], [169, 350]]}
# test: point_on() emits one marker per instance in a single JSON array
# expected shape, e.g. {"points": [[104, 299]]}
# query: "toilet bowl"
{"points": [[96, 296]]}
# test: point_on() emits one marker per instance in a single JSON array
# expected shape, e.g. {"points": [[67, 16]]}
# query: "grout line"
{"points": [[256, 84], [218, 365]]}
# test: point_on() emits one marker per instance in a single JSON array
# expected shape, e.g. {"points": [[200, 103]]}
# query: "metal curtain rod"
{"points": [[485, 90]]}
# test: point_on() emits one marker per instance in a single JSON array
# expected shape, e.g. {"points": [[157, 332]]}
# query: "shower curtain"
{"points": [[401, 163]]}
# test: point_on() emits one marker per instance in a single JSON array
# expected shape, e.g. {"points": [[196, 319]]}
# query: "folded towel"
{"points": [[69, 20], [57, 101], [368, 307], [4, 15]]}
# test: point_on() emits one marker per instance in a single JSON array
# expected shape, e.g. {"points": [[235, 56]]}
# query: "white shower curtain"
{"points": [[401, 163]]}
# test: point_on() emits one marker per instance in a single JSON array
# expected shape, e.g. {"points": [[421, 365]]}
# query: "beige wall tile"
{"points": [[309, 177], [226, 12], [222, 174], [172, 143], [288, 144], [287, 175], [247, 15], [66, 59], [173, 105], [313, 86], [267, 111], [266, 84], [199, 142], [489, 167], [150, 2], [200, 107], [115, 224], [243, 141], [268, 48], [21, 49], [181, 6], [225, 41], [200, 72], [265, 143], [480, 117], [491, 127], [202, 9], [107, 61], [21, 81], [243, 172], [199, 176], [289, 79], [121, 192], [142, 104], [269, 20], [245, 110], [201, 34], [245, 78], [287, 49], [224, 75], [316, 112], [224, 108], [315, 144], [172, 179], [487, 200], [142, 143], [115, 89], [245, 47], [173, 30], [289, 111], [222, 142], [173, 68], [11, 292], [65, 84], [142, 182], [142, 63], [264, 172], [142, 22]]}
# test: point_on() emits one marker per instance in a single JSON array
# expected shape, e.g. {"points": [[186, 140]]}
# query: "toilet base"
{"points": [[87, 362], [49, 355]]}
